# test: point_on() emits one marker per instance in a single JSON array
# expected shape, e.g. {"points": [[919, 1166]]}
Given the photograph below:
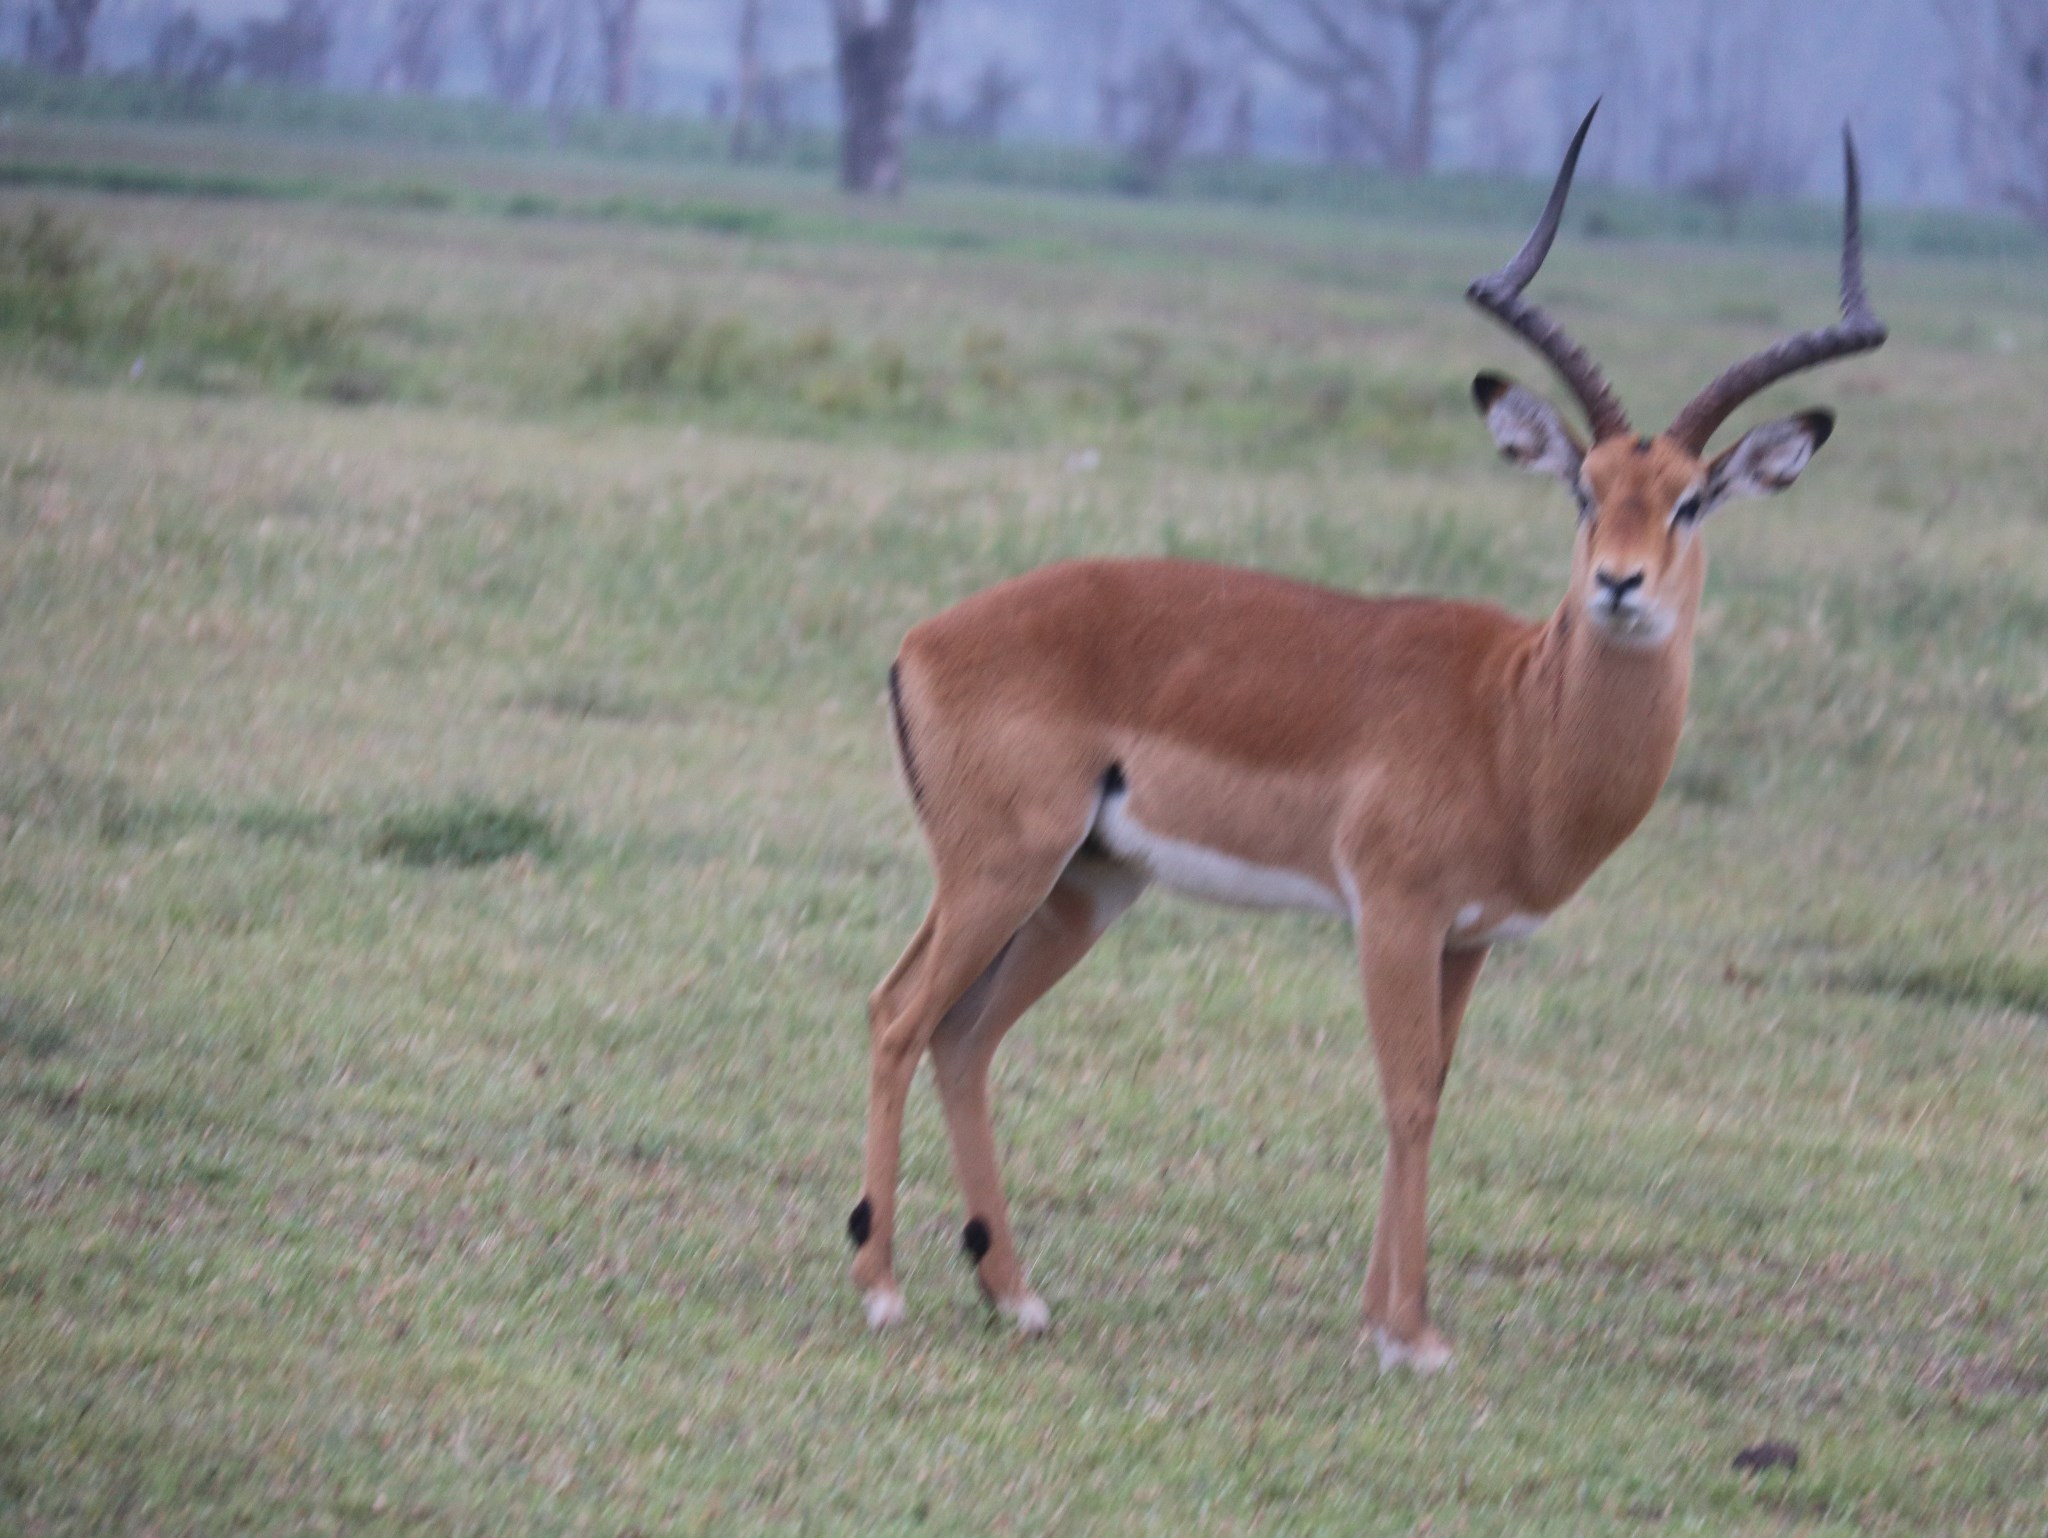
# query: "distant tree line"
{"points": [[1364, 81], [2000, 93]]}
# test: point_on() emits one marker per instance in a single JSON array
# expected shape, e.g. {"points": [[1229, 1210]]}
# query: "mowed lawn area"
{"points": [[448, 834]]}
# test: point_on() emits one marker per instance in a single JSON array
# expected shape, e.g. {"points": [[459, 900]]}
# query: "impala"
{"points": [[1442, 775]]}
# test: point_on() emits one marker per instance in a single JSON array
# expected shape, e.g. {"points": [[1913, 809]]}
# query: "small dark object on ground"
{"points": [[1767, 1455]]}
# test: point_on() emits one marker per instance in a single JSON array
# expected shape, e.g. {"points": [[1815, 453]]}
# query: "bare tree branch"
{"points": [[290, 48], [1351, 53], [1729, 144], [1328, 78], [515, 36], [418, 51], [994, 90], [60, 35], [183, 52]]}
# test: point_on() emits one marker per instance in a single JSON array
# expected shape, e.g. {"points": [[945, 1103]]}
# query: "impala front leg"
{"points": [[1403, 962], [1460, 971]]}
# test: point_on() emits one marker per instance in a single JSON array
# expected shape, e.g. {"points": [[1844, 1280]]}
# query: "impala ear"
{"points": [[1527, 429], [1765, 459]]}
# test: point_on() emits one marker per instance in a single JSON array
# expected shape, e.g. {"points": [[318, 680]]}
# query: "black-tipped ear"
{"points": [[1527, 429], [1766, 459]]}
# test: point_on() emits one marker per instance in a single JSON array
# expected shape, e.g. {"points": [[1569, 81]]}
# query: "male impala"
{"points": [[1441, 774]]}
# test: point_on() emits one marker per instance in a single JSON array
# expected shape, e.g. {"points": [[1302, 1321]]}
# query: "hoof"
{"points": [[885, 1307], [1424, 1356], [1028, 1313]]}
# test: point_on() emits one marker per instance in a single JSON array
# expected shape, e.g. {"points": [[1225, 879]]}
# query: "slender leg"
{"points": [[1460, 973], [966, 931], [884, 1303], [1085, 902], [887, 999], [1403, 966]]}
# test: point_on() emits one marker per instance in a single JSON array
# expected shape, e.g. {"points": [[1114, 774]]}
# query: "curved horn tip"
{"points": [[1571, 156]]}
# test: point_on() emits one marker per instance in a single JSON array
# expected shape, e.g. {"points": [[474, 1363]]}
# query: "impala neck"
{"points": [[1599, 727]]}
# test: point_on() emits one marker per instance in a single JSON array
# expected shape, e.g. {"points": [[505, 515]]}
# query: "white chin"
{"points": [[1632, 632]]}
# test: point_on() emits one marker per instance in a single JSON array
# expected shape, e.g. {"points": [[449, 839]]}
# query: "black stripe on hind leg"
{"points": [[974, 1239]]}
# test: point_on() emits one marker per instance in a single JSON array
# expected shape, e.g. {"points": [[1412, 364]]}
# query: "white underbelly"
{"points": [[1195, 870], [1474, 927]]}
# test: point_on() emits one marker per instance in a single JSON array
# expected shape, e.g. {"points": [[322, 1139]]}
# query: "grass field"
{"points": [[447, 836]]}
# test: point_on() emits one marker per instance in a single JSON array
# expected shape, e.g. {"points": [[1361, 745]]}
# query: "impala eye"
{"points": [[1688, 508], [1585, 503]]}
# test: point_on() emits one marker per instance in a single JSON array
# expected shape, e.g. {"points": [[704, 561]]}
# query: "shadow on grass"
{"points": [[582, 699], [31, 1028], [467, 831], [1970, 981]]}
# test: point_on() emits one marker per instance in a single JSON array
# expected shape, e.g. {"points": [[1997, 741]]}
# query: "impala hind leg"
{"points": [[1088, 898], [1415, 998], [962, 937]]}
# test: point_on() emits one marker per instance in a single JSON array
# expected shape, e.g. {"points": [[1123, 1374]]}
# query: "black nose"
{"points": [[1618, 588]]}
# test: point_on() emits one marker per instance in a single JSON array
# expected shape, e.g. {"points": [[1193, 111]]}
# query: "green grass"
{"points": [[77, 311], [466, 830], [345, 1193]]}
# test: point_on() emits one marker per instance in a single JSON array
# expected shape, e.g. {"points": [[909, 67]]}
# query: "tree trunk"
{"points": [[618, 25], [417, 55], [513, 41], [562, 79], [61, 41], [747, 93], [1418, 142], [874, 79], [2023, 111]]}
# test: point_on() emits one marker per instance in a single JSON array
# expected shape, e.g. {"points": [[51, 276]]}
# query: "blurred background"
{"points": [[1721, 100], [465, 466]]}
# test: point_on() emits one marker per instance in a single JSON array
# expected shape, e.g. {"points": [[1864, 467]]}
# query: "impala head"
{"points": [[1638, 563]]}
